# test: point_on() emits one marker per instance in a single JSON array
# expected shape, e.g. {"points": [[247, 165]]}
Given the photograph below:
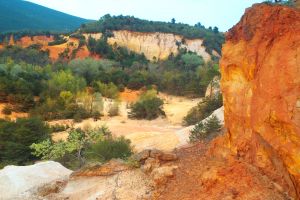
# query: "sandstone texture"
{"points": [[258, 157], [154, 45], [261, 87]]}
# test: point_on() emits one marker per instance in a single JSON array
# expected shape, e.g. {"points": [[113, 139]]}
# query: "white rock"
{"points": [[16, 181]]}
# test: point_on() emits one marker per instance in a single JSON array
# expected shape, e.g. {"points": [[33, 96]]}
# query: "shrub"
{"points": [[16, 137], [203, 130], [84, 146], [203, 109], [148, 107], [7, 110], [110, 148], [108, 90], [58, 128]]}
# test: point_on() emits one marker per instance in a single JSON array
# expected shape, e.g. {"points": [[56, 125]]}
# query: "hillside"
{"points": [[212, 38], [18, 15]]}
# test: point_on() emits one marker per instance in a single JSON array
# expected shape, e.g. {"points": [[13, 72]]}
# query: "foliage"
{"points": [[29, 55], [19, 83], [120, 54], [16, 137], [83, 146], [109, 90], [65, 81], [110, 148], [204, 109], [203, 130], [213, 40], [149, 106], [58, 128], [7, 110], [57, 41]]}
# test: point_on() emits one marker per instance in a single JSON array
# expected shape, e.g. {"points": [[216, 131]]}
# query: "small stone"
{"points": [[150, 164], [168, 157], [156, 153], [142, 156]]}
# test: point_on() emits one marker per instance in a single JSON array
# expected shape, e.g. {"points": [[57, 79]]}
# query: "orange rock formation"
{"points": [[261, 85], [259, 156]]}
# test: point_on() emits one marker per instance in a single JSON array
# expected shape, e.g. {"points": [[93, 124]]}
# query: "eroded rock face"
{"points": [[261, 87], [23, 182], [155, 45]]}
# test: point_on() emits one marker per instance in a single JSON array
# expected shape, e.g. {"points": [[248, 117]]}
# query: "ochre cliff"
{"points": [[155, 45], [260, 82], [258, 156]]}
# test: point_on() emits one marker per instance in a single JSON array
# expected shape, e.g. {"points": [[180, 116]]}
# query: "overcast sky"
{"points": [[221, 13]]}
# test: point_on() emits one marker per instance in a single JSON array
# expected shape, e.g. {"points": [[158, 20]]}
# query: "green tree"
{"points": [[203, 130], [149, 106], [16, 138], [65, 81]]}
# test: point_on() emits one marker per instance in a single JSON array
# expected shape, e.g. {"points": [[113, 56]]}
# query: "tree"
{"points": [[16, 137], [216, 30], [203, 130], [173, 21], [83, 146], [74, 145], [149, 106], [65, 81]]}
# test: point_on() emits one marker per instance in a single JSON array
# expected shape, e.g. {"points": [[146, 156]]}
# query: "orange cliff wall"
{"points": [[261, 86]]}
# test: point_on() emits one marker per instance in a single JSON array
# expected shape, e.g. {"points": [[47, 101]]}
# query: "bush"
{"points": [[108, 90], [203, 130], [16, 137], [110, 148], [84, 146], [203, 110], [148, 107], [7, 110], [58, 128]]}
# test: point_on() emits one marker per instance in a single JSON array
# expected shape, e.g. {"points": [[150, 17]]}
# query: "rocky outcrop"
{"points": [[23, 182], [120, 180], [155, 45], [261, 87], [213, 87]]}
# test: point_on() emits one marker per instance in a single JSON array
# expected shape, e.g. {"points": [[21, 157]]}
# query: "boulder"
{"points": [[22, 182]]}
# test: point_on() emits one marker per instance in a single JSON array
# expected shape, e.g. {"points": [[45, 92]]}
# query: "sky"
{"points": [[221, 13]]}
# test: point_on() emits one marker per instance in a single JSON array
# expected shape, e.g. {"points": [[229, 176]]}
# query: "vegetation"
{"points": [[19, 15], [213, 40], [149, 107], [57, 41], [31, 55], [204, 109], [82, 147], [120, 54], [16, 138], [203, 130], [291, 3]]}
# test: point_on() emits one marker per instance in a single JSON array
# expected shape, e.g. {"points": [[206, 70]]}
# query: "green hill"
{"points": [[18, 15]]}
